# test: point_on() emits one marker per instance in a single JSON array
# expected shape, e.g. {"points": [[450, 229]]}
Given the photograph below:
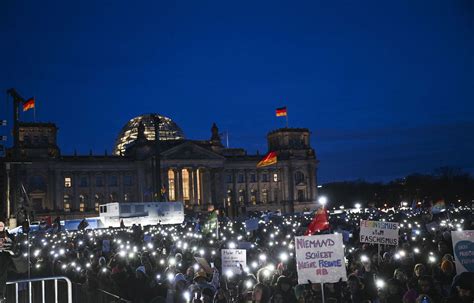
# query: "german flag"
{"points": [[281, 112], [29, 104], [269, 159]]}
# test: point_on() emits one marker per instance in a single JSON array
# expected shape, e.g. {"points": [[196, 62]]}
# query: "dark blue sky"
{"points": [[387, 88]]}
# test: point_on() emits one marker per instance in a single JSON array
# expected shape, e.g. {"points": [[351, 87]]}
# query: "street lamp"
{"points": [[323, 200], [358, 206]]}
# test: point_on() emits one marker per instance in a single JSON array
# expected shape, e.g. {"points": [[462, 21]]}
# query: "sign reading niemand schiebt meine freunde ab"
{"points": [[320, 259], [379, 232]]}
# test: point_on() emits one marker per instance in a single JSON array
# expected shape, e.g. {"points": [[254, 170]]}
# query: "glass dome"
{"points": [[168, 130]]}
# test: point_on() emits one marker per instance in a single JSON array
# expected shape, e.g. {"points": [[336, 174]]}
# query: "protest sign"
{"points": [[105, 246], [232, 259], [203, 263], [251, 224], [320, 259], [244, 245], [463, 247], [379, 232]]}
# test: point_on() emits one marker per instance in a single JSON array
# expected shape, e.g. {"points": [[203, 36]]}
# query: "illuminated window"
{"points": [[98, 199], [241, 196], [275, 177], [229, 197], [253, 196], [171, 193], [67, 182], [185, 175], [67, 203], [264, 195], [82, 203]]}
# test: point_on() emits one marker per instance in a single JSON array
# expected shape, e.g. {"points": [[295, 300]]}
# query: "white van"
{"points": [[144, 213]]}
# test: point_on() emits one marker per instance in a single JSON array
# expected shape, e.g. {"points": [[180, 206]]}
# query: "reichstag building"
{"points": [[202, 173]]}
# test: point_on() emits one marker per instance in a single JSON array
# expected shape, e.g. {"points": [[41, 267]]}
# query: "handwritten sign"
{"points": [[320, 259], [232, 259], [463, 246], [379, 232]]}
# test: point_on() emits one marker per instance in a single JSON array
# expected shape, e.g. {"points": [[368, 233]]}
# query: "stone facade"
{"points": [[202, 173]]}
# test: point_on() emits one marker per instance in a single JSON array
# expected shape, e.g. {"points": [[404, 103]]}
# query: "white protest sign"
{"points": [[320, 259], [232, 259], [379, 232], [463, 247]]}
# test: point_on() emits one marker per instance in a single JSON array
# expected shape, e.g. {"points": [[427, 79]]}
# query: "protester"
{"points": [[182, 263]]}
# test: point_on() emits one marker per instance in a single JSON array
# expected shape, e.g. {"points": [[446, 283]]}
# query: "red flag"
{"points": [[320, 222]]}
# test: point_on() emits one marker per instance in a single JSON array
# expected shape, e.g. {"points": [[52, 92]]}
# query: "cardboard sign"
{"points": [[232, 259], [379, 232], [463, 247], [320, 259], [203, 263]]}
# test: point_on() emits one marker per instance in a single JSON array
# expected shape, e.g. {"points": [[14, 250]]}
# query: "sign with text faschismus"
{"points": [[379, 232]]}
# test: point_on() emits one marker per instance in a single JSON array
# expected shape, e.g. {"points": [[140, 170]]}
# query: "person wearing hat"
{"points": [[200, 281], [140, 286], [284, 288], [463, 287]]}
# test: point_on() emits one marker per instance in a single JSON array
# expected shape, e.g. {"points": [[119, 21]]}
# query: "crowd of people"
{"points": [[182, 263]]}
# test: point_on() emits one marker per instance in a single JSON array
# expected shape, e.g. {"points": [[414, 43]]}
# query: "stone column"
{"points": [[291, 189], [75, 197], [179, 184], [247, 191], [58, 191], [206, 188], [165, 181], [195, 186], [140, 181], [90, 202]]}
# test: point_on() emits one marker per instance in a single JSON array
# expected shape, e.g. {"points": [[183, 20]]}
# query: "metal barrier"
{"points": [[43, 294]]}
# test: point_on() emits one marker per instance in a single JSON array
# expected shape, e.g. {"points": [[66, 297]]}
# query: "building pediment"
{"points": [[189, 150]]}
